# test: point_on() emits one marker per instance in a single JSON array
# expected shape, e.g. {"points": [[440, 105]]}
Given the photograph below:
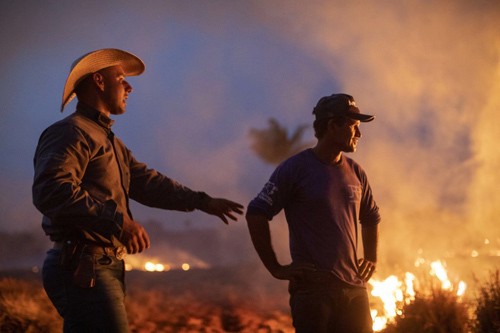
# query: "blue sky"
{"points": [[430, 71]]}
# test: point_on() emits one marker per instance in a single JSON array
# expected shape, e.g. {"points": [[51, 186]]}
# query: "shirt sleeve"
{"points": [[274, 195], [151, 188], [60, 160]]}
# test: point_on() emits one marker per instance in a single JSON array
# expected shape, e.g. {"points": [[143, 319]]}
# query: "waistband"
{"points": [[118, 252], [314, 279]]}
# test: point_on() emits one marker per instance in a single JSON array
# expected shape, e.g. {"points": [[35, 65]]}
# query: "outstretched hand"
{"points": [[223, 209]]}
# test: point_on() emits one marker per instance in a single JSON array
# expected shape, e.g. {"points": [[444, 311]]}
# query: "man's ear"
{"points": [[332, 125], [98, 79], [336, 124]]}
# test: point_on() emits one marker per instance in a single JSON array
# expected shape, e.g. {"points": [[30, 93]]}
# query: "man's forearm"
{"points": [[258, 226], [370, 236]]}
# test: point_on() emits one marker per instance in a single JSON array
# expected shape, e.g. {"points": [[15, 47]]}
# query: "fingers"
{"points": [[132, 246], [230, 215], [363, 268], [135, 237], [284, 273], [144, 242], [293, 272], [236, 207], [372, 270], [229, 206], [366, 269], [224, 215], [223, 218], [225, 209], [142, 239]]}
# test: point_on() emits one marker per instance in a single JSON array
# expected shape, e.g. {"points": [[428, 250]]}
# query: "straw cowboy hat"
{"points": [[95, 61]]}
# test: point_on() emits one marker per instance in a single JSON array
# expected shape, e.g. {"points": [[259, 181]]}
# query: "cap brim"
{"points": [[360, 116]]}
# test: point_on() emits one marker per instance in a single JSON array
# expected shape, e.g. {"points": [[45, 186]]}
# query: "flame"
{"points": [[156, 267], [390, 292], [462, 286], [394, 293], [409, 282], [147, 263]]}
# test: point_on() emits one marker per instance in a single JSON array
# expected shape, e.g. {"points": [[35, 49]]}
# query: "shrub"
{"points": [[487, 314], [438, 312]]}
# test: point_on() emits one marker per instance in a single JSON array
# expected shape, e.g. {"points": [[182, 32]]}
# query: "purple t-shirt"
{"points": [[323, 205]]}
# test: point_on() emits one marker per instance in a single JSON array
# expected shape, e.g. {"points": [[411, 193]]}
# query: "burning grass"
{"points": [[238, 300], [441, 311]]}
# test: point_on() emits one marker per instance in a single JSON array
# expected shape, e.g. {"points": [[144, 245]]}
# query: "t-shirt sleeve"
{"points": [[274, 195]]}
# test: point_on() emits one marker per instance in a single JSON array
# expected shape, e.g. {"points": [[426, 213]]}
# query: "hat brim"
{"points": [[95, 61], [360, 116]]}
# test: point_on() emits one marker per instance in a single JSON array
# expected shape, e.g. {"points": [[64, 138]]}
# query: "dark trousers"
{"points": [[330, 309], [100, 308]]}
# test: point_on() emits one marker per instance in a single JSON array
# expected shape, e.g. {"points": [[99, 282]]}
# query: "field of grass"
{"points": [[234, 300], [213, 300]]}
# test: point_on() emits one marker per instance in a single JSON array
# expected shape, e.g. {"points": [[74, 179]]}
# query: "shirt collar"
{"points": [[93, 114]]}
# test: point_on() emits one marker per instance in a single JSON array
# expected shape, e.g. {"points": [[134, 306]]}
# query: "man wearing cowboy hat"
{"points": [[84, 178]]}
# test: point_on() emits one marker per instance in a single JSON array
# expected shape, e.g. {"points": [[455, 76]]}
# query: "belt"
{"points": [[118, 252]]}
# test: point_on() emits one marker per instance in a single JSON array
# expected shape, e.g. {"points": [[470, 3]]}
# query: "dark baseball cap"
{"points": [[339, 105]]}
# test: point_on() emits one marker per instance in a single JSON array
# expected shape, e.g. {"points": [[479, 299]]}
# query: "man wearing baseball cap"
{"points": [[84, 179], [325, 196]]}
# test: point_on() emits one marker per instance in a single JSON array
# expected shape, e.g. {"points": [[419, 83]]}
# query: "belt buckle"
{"points": [[120, 252]]}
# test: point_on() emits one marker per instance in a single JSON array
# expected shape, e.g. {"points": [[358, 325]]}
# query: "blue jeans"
{"points": [[97, 309], [330, 309]]}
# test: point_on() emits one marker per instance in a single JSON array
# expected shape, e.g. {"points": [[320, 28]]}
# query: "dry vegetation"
{"points": [[487, 315], [223, 300], [216, 300], [438, 312], [24, 307]]}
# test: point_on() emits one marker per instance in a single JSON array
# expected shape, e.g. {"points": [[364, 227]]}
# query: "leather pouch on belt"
{"points": [[69, 256], [84, 276]]}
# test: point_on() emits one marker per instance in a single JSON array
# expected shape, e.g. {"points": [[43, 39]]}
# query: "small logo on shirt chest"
{"points": [[354, 192]]}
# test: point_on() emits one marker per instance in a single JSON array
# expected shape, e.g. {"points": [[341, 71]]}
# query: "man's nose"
{"points": [[128, 87]]}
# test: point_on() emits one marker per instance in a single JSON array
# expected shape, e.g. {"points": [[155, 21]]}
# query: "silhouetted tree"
{"points": [[273, 145]]}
